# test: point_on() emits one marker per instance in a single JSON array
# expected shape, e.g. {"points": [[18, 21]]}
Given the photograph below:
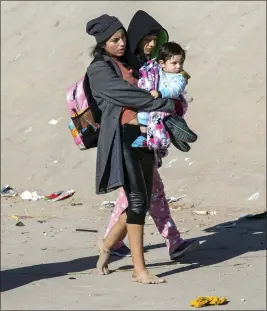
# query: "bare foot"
{"points": [[146, 277], [102, 263]]}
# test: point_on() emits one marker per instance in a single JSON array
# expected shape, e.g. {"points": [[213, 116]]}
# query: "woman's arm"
{"points": [[175, 88], [108, 85]]}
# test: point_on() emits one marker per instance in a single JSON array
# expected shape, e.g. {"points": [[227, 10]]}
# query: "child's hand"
{"points": [[155, 94]]}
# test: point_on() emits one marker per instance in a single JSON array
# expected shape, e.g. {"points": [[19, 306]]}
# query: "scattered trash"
{"points": [[72, 278], [41, 221], [230, 224], [17, 57], [53, 195], [175, 199], [28, 130], [187, 159], [59, 195], [21, 217], [20, 224], [56, 161], [201, 212], [254, 196], [87, 230], [243, 300], [212, 213], [31, 196], [253, 216], [53, 122], [190, 163], [8, 191], [108, 203], [257, 232], [76, 204], [202, 301]]}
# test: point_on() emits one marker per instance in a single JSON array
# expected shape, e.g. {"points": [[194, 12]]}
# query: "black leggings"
{"points": [[138, 174]]}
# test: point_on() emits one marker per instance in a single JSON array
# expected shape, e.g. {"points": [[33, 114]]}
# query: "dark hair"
{"points": [[99, 49], [170, 49]]}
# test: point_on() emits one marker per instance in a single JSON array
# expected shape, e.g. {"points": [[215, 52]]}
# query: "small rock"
{"points": [[57, 23]]}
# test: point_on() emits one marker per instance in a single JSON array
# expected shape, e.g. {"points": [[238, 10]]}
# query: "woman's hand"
{"points": [[155, 94]]}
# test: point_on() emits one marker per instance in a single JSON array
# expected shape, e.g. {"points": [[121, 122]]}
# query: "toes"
{"points": [[106, 270]]}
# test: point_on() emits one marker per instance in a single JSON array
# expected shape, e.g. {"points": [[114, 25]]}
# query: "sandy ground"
{"points": [[44, 49]]}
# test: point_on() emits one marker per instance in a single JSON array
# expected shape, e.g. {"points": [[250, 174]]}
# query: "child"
{"points": [[169, 78]]}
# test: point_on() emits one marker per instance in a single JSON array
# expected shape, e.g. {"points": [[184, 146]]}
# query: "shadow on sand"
{"points": [[249, 235]]}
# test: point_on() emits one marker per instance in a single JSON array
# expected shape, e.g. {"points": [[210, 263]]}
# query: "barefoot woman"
{"points": [[118, 164]]}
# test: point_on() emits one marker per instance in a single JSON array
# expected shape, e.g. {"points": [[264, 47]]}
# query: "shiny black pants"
{"points": [[138, 174]]}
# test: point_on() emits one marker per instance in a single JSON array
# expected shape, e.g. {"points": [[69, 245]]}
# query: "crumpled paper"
{"points": [[30, 196]]}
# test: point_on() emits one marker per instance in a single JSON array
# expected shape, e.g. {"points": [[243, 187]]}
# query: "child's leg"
{"points": [[141, 141]]}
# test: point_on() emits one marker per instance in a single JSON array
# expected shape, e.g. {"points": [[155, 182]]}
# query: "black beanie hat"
{"points": [[103, 27]]}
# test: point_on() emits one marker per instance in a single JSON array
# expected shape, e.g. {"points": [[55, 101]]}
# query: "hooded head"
{"points": [[141, 25]]}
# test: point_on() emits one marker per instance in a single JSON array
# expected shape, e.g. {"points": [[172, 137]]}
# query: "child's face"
{"points": [[173, 65]]}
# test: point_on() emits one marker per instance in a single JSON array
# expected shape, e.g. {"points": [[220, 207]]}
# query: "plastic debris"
{"points": [[53, 122], [254, 196], [108, 203], [212, 213], [59, 195], [175, 199], [21, 217], [190, 163], [53, 195], [31, 196], [201, 212], [202, 301], [8, 191], [20, 224]]}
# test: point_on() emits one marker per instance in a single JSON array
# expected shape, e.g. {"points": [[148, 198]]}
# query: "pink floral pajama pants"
{"points": [[159, 211]]}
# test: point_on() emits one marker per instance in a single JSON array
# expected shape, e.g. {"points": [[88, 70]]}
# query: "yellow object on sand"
{"points": [[202, 301]]}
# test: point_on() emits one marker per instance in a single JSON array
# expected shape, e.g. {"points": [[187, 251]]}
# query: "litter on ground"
{"points": [[30, 196], [8, 191], [175, 199], [202, 301], [254, 196]]}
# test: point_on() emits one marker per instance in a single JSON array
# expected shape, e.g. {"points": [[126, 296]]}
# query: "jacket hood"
{"points": [[140, 26]]}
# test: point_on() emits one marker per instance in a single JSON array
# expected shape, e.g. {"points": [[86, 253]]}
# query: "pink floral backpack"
{"points": [[84, 113]]}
